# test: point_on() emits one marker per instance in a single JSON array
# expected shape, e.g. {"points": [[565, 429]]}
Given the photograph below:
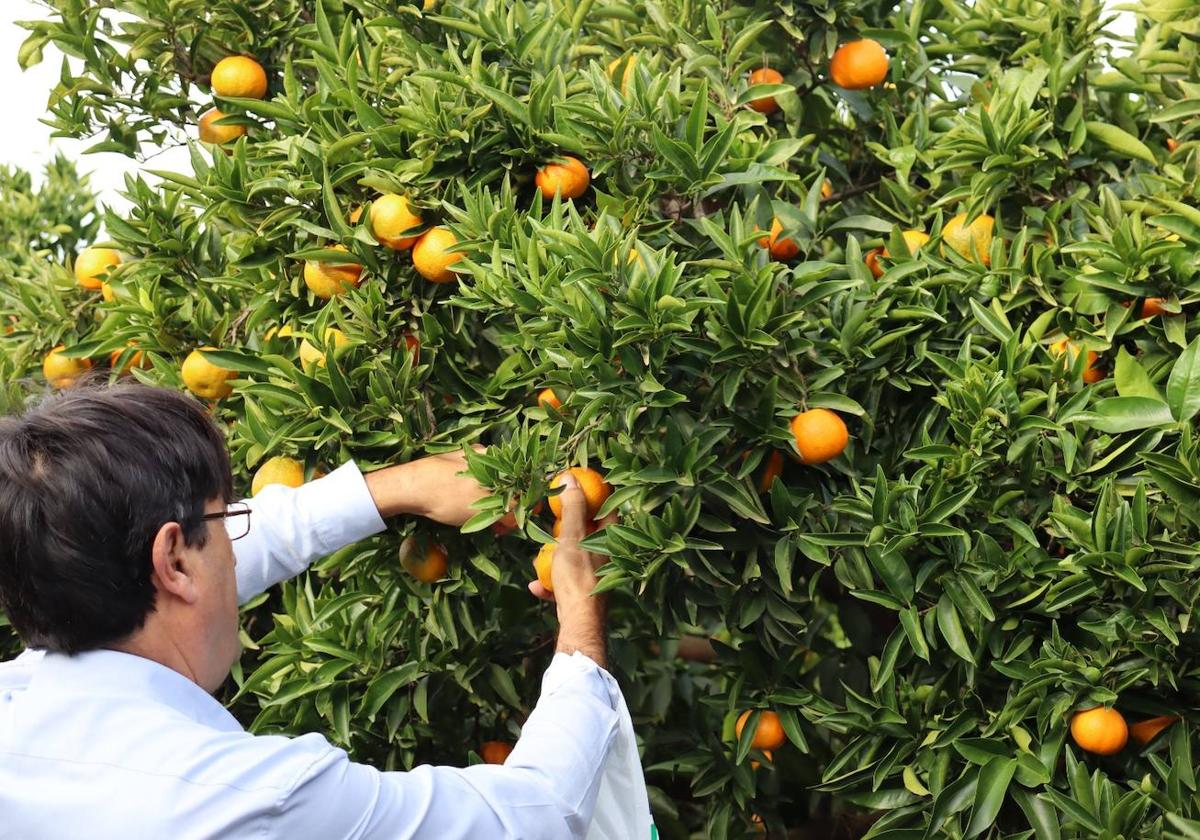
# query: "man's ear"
{"points": [[173, 570]]}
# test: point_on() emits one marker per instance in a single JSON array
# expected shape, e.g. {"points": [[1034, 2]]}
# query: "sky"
{"points": [[27, 142]]}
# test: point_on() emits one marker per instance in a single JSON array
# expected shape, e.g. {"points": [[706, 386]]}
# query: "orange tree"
{"points": [[980, 263]]}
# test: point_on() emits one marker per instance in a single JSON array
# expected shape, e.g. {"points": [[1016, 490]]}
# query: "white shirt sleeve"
{"points": [[545, 791], [292, 527]]}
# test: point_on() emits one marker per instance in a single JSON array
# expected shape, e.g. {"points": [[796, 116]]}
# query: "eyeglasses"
{"points": [[237, 519]]}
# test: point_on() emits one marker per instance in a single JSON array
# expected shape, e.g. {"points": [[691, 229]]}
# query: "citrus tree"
{"points": [[876, 317]]}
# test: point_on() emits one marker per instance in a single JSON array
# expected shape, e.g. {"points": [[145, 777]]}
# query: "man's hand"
{"points": [[429, 487], [581, 615]]}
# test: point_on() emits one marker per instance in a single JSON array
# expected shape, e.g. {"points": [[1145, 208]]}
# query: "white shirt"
{"points": [[110, 745]]}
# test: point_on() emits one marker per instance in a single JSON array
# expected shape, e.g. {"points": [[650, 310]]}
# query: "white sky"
{"points": [[27, 143]]}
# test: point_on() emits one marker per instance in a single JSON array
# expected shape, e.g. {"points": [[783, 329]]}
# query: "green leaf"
{"points": [[951, 627], [990, 792], [1120, 141], [1131, 378], [1183, 386], [1126, 414]]}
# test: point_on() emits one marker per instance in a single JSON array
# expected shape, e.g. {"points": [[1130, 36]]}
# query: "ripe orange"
{"points": [[390, 217], [765, 76], [781, 249], [974, 241], [107, 292], [767, 754], [1172, 144], [137, 360], [218, 134], [327, 280], [1091, 373], [495, 752], [427, 563], [630, 63], [1146, 731], [826, 190], [859, 65], [547, 398], [278, 470], [60, 371], [432, 257], [205, 379], [1101, 731], [872, 261], [414, 346], [914, 239], [820, 435], [570, 178], [769, 735], [239, 75], [1153, 306], [771, 471], [93, 264], [595, 489], [542, 564]]}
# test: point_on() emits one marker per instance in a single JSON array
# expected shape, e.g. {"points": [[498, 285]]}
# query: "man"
{"points": [[122, 561]]}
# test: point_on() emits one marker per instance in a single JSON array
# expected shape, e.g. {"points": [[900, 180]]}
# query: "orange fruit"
{"points": [[1091, 373], [872, 261], [556, 528], [327, 280], [432, 257], [771, 471], [137, 360], [427, 563], [570, 178], [93, 264], [595, 489], [239, 75], [60, 371], [974, 241], [767, 754], [627, 76], [914, 239], [781, 249], [548, 399], [1172, 144], [769, 735], [218, 134], [765, 76], [820, 435], [107, 292], [859, 65], [414, 346], [390, 217], [1146, 731], [205, 379], [1101, 731], [311, 355], [542, 564], [278, 470], [495, 752], [826, 190], [1153, 306]]}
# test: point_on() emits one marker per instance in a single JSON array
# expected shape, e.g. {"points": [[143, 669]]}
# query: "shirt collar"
{"points": [[113, 674]]}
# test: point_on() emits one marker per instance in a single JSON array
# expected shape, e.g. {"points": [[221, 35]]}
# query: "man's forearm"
{"points": [[582, 628]]}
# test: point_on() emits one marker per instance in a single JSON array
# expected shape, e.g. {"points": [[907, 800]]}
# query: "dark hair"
{"points": [[87, 478]]}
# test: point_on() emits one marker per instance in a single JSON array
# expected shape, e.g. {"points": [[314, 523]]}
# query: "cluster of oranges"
{"points": [[1103, 731], [235, 76], [596, 491]]}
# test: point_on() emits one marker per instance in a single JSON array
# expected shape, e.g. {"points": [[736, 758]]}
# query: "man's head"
{"points": [[102, 541]]}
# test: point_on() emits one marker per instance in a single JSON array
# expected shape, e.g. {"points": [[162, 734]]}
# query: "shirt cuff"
{"points": [[347, 508], [578, 669]]}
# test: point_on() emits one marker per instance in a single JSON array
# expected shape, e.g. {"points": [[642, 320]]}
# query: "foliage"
{"points": [[1000, 545]]}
